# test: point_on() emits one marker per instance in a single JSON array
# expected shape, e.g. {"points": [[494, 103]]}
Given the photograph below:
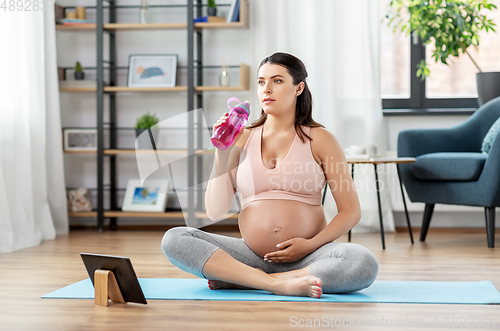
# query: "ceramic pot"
{"points": [[144, 140], [488, 86], [212, 11], [79, 75]]}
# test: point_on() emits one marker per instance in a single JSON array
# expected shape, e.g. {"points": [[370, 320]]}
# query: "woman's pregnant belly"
{"points": [[265, 223]]}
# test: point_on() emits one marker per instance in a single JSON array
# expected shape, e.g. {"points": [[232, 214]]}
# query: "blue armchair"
{"points": [[451, 169]]}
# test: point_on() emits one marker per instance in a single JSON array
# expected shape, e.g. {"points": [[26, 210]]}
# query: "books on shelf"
{"points": [[210, 19], [58, 12], [234, 12], [75, 21], [77, 84]]}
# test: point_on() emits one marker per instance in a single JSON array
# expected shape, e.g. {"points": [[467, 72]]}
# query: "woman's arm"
{"points": [[220, 189], [339, 179], [221, 185]]}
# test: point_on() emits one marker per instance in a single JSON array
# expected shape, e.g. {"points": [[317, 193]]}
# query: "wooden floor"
{"points": [[447, 255]]}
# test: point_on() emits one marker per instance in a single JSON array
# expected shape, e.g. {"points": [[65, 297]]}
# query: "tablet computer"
{"points": [[124, 274]]}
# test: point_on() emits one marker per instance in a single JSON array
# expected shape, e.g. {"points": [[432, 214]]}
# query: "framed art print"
{"points": [[152, 70], [80, 139], [152, 196]]}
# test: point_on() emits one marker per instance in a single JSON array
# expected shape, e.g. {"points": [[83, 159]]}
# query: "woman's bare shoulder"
{"points": [[324, 143], [322, 135]]}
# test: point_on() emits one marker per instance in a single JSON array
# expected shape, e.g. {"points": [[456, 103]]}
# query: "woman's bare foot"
{"points": [[293, 283], [293, 274], [218, 284], [305, 286]]}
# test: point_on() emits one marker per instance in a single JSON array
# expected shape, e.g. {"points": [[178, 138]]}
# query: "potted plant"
{"points": [[143, 123], [453, 26], [211, 8], [79, 74]]}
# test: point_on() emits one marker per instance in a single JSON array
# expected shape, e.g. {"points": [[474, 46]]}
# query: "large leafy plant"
{"points": [[453, 25]]}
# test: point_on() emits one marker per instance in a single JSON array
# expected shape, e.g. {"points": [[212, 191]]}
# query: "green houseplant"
{"points": [[453, 26], [146, 121], [79, 74], [211, 8], [143, 123]]}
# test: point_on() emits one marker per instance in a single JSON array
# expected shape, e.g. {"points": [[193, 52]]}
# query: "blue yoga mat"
{"points": [[483, 292]]}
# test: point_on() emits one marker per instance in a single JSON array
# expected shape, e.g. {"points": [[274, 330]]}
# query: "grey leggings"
{"points": [[343, 267]]}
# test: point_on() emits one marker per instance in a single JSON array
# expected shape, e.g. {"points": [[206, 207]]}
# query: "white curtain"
{"points": [[32, 190], [338, 41]]}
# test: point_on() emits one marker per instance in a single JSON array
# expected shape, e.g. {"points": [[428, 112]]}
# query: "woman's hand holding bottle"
{"points": [[221, 121], [229, 127]]}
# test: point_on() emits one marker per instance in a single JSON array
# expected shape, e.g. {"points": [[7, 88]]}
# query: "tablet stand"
{"points": [[106, 287]]}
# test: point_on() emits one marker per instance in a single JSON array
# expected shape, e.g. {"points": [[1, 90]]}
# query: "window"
{"points": [[452, 86], [395, 60]]}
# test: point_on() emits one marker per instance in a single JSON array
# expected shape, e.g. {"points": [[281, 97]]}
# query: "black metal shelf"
{"points": [[195, 78], [169, 138], [210, 75], [169, 14], [172, 199]]}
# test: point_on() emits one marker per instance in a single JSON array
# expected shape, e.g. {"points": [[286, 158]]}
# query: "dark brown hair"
{"points": [[303, 109]]}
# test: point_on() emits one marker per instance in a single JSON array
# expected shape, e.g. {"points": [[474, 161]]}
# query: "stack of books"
{"points": [[210, 19], [75, 21]]}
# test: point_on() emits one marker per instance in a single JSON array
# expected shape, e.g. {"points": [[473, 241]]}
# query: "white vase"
{"points": [[144, 140], [144, 19], [224, 78]]}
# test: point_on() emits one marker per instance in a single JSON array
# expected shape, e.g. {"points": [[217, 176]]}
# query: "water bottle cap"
{"points": [[245, 106]]}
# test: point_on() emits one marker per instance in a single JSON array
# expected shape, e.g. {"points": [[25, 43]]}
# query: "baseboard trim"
{"points": [[208, 228]]}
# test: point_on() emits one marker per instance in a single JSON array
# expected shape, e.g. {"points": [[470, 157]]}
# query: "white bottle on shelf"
{"points": [[144, 12], [224, 78]]}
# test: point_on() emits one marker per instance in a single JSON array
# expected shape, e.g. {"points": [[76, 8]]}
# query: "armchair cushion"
{"points": [[490, 136], [449, 166]]}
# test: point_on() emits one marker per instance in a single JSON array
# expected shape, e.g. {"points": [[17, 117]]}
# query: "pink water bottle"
{"points": [[224, 135]]}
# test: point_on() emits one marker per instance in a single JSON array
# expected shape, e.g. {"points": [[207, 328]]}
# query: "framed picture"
{"points": [[152, 70], [80, 139], [150, 197]]}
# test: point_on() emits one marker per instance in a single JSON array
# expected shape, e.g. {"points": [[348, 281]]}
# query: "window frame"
{"points": [[418, 101]]}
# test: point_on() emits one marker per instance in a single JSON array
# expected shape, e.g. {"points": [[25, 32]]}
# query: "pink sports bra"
{"points": [[297, 177]]}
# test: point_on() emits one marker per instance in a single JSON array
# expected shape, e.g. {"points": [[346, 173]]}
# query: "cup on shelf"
{"points": [[71, 14], [371, 149], [354, 150], [80, 13]]}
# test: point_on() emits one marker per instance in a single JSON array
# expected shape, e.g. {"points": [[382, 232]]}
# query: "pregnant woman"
{"points": [[279, 164]]}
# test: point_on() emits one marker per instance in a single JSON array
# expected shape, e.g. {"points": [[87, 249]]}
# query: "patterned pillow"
{"points": [[490, 137]]}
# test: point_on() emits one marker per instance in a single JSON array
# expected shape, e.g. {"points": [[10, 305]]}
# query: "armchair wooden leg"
{"points": [[429, 208], [489, 213]]}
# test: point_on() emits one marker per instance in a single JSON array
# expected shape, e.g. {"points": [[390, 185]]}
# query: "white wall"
{"points": [[79, 109]]}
